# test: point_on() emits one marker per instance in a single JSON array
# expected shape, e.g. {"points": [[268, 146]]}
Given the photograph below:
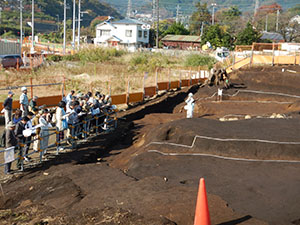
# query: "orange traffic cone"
{"points": [[202, 213]]}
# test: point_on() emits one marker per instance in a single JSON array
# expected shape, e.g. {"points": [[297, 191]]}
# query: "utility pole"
{"points": [[213, 13], [277, 20], [79, 19], [57, 22], [157, 22], [266, 23], [201, 29], [74, 23], [153, 10], [21, 25], [65, 17], [256, 7], [177, 13], [32, 27], [129, 9]]}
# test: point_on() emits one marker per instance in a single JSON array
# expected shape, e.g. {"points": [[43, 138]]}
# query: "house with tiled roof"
{"points": [[126, 33]]}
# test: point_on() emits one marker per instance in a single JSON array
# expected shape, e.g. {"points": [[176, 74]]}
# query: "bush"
{"points": [[54, 58], [97, 54], [89, 55], [148, 61], [200, 60]]}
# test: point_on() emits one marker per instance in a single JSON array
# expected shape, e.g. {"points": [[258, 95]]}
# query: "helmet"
{"points": [[190, 94], [23, 89]]}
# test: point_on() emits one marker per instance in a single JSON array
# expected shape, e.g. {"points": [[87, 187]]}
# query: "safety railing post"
{"points": [[190, 77], [156, 80], [18, 64], [273, 53], [144, 81], [21, 157], [180, 79], [85, 128], [72, 136], [169, 78], [116, 119], [252, 52], [97, 125], [127, 92], [41, 153], [31, 88], [57, 142]]}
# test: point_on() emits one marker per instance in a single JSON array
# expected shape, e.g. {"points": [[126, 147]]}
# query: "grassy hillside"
{"points": [[47, 13], [186, 5]]}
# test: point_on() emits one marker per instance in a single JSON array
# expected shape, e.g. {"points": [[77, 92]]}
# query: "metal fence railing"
{"points": [[89, 126]]}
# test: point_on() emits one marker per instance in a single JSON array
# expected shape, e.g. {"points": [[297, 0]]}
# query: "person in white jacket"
{"points": [[60, 118], [189, 107]]}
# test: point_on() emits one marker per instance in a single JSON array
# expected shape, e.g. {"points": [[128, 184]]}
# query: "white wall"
{"points": [[119, 30]]}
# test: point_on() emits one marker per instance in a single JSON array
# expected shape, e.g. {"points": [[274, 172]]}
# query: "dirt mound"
{"points": [[254, 139]]}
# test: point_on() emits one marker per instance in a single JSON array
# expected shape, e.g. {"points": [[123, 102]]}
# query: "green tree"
{"points": [[294, 10], [199, 17], [217, 37], [248, 36], [231, 19], [177, 29]]}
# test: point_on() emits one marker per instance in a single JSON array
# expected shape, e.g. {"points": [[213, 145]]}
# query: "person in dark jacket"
{"points": [[11, 141], [20, 127], [7, 104]]}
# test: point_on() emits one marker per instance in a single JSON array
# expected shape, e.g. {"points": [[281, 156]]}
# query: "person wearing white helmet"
{"points": [[24, 101], [189, 107]]}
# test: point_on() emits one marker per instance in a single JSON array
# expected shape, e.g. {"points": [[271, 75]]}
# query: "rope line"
{"points": [[263, 102], [224, 157], [254, 91], [270, 93], [224, 140]]}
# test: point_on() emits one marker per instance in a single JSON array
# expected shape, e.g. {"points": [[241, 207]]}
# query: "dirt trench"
{"points": [[114, 179]]}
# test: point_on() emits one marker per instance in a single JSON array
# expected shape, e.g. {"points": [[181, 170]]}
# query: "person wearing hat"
{"points": [[33, 104], [189, 107], [11, 141], [44, 120], [35, 122], [24, 101], [20, 127], [7, 105]]}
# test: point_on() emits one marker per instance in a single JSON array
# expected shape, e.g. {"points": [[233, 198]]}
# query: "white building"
{"points": [[126, 33]]}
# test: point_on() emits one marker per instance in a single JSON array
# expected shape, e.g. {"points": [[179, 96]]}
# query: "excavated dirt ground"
{"points": [[125, 178]]}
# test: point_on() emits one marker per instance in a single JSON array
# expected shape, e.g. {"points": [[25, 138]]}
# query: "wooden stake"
{"points": [[31, 88], [273, 53]]}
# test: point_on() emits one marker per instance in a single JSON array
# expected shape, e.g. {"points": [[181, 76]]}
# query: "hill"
{"points": [[48, 13], [185, 6]]}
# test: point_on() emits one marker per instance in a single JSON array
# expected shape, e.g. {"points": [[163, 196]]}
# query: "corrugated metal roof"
{"points": [[182, 38], [128, 21], [272, 36]]}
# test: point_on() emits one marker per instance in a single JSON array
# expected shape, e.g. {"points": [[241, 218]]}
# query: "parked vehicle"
{"points": [[7, 61], [221, 53]]}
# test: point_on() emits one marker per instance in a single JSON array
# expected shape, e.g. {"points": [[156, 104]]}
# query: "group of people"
{"points": [[31, 123], [80, 107], [219, 77]]}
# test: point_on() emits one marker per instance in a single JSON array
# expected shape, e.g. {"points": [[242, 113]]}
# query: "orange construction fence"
{"points": [[50, 101]]}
